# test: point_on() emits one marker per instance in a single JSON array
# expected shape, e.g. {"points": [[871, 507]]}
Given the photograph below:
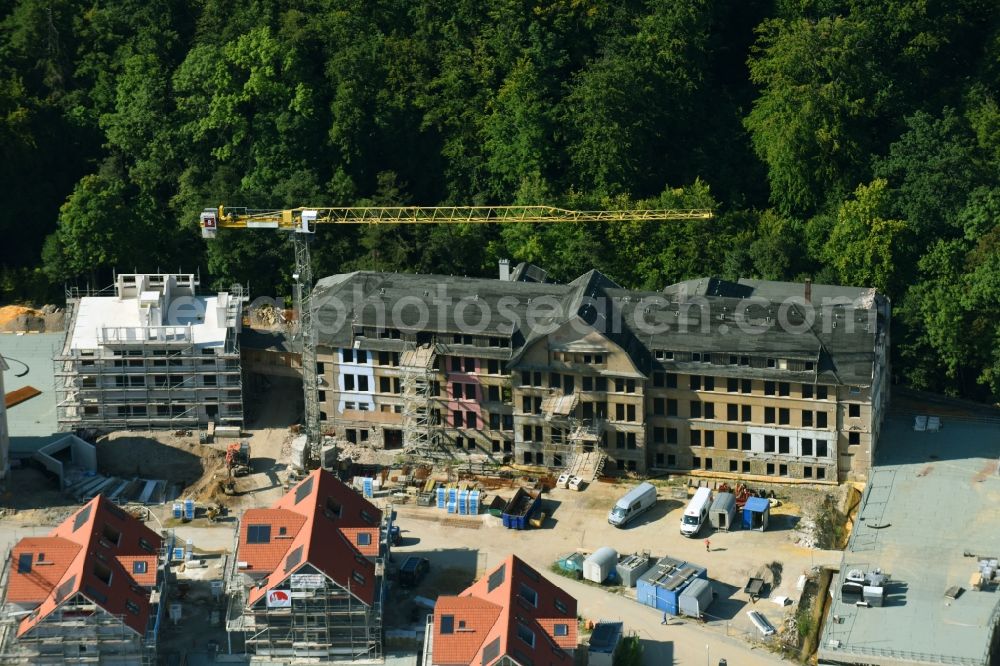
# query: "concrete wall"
{"points": [[4, 430]]}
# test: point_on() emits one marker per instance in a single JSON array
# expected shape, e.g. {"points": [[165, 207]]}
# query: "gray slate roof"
{"points": [[708, 315]]}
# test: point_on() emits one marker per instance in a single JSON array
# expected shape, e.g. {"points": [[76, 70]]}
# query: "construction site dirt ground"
{"points": [[269, 434], [191, 469], [203, 614], [17, 318], [578, 522]]}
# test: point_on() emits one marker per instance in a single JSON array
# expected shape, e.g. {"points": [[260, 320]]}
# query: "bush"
{"points": [[628, 652]]}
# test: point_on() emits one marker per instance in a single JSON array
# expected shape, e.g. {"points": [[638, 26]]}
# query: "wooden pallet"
{"points": [[17, 396]]}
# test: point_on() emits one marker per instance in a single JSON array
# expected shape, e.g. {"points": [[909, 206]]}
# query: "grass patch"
{"points": [[556, 569]]}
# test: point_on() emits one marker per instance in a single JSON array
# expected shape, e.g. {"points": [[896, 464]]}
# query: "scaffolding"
{"points": [[325, 621], [79, 631], [416, 374], [149, 377]]}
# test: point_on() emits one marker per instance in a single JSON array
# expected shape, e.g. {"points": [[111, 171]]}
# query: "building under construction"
{"points": [[150, 353], [87, 593], [745, 378], [306, 582]]}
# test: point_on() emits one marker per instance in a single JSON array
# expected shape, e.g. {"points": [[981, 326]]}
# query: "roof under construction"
{"points": [[494, 615], [99, 552], [316, 523], [831, 331]]}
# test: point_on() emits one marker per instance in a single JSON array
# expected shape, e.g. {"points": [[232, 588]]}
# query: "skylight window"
{"points": [[294, 559], [81, 518], [258, 534], [528, 595], [304, 489], [497, 578]]}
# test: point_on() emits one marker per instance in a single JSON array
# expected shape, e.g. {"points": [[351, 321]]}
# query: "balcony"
{"points": [[141, 335]]}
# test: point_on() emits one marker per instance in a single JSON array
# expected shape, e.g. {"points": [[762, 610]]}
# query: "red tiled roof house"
{"points": [[308, 575], [513, 616], [89, 591]]}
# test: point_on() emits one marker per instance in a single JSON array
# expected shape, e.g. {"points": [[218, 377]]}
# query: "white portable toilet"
{"points": [[600, 564]]}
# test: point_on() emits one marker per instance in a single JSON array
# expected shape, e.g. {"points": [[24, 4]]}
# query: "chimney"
{"points": [[809, 290], [505, 270]]}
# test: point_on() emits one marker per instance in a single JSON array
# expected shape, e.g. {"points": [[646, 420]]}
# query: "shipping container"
{"points": [[723, 512], [521, 507], [661, 586], [696, 598]]}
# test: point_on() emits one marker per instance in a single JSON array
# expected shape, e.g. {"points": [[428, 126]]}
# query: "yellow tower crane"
{"points": [[301, 222]]}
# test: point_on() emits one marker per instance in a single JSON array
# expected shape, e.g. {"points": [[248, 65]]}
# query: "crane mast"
{"points": [[301, 223]]}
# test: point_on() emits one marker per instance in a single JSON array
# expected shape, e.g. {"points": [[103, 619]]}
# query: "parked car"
{"points": [[563, 480], [575, 483], [696, 513], [636, 501], [413, 571]]}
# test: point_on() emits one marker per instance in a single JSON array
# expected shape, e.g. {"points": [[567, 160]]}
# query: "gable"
{"points": [[577, 337], [108, 545]]}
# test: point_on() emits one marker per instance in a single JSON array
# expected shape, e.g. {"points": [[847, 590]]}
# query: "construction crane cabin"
{"points": [[301, 223]]}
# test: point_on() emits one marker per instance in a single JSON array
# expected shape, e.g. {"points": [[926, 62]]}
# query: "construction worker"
{"points": [[708, 545]]}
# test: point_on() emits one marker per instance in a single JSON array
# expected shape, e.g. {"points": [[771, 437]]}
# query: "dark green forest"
{"points": [[849, 141]]}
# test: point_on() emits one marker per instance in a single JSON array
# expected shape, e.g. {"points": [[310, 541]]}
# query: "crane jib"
{"points": [[303, 219]]}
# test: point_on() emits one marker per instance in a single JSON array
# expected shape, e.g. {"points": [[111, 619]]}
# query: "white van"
{"points": [[635, 501], [696, 513]]}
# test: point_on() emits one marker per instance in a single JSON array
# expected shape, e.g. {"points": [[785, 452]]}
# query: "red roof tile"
{"points": [[32, 587], [474, 625], [328, 515], [97, 541], [265, 557], [501, 589]]}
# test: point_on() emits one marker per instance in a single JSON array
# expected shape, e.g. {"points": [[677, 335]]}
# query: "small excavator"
{"points": [[237, 463]]}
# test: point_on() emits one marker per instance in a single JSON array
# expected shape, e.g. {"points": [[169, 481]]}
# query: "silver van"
{"points": [[635, 502]]}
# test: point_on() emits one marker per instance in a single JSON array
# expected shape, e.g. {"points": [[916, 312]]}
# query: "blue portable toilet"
{"points": [[474, 503], [189, 509], [441, 497], [463, 502], [755, 514], [367, 487], [178, 510]]}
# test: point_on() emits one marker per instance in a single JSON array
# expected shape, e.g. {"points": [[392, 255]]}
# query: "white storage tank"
{"points": [[600, 564]]}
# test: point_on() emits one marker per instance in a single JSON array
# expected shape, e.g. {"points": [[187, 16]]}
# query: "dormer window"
{"points": [[333, 507], [111, 535]]}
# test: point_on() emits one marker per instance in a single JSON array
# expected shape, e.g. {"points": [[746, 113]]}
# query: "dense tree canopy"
{"points": [[849, 141]]}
